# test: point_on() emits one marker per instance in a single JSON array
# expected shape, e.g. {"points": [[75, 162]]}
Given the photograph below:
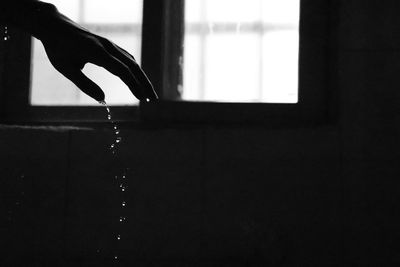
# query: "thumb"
{"points": [[85, 85]]}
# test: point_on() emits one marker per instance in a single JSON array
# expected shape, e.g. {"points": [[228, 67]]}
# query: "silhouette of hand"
{"points": [[69, 47]]}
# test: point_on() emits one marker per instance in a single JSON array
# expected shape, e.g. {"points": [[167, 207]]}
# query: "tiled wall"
{"points": [[229, 195]]}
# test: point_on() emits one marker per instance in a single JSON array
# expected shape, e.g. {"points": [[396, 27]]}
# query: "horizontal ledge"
{"points": [[177, 112], [228, 113]]}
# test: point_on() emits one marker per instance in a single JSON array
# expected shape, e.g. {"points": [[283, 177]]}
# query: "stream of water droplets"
{"points": [[121, 181]]}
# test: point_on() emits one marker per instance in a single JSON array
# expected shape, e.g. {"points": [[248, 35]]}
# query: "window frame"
{"points": [[162, 37]]}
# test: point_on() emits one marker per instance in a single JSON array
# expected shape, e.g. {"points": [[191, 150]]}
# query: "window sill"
{"points": [[218, 113], [183, 113]]}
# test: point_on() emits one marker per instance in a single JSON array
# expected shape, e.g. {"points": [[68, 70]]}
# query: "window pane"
{"points": [[241, 50], [117, 20]]}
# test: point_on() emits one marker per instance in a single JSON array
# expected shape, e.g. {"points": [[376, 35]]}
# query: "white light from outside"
{"points": [[241, 50], [235, 50]]}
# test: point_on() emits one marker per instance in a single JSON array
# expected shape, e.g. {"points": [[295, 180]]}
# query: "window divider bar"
{"points": [[152, 42], [174, 30], [162, 45]]}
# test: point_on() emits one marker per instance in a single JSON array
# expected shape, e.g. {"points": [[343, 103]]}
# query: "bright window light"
{"points": [[117, 20], [241, 50]]}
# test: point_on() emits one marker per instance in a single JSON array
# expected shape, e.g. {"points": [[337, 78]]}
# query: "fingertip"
{"points": [[94, 91], [86, 85], [100, 97]]}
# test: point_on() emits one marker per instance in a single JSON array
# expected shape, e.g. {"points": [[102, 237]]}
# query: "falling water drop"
{"points": [[6, 35], [211, 27], [238, 27], [123, 204]]}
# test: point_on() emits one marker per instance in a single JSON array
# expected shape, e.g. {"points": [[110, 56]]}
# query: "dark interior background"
{"points": [[325, 195]]}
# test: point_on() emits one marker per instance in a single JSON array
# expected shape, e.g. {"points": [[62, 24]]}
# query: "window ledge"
{"points": [[184, 113], [224, 113]]}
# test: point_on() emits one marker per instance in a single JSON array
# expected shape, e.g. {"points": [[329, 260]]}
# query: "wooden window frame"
{"points": [[162, 37]]}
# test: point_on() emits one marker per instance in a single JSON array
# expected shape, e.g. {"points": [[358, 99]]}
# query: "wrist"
{"points": [[30, 16]]}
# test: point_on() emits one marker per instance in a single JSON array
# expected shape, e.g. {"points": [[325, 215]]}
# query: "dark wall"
{"points": [[317, 196], [368, 81], [230, 195]]}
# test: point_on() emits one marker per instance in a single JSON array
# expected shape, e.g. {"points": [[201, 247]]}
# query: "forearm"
{"points": [[28, 15]]}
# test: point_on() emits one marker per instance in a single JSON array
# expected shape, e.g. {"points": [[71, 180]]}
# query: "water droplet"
{"points": [[123, 176], [118, 237], [115, 257], [6, 35], [118, 140], [122, 219], [238, 27], [123, 204], [211, 27], [147, 100]]}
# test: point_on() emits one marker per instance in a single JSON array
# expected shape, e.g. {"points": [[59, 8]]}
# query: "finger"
{"points": [[129, 60], [119, 69], [122, 55], [85, 85]]}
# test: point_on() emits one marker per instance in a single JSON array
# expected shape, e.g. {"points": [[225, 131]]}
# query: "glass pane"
{"points": [[241, 50], [117, 20]]}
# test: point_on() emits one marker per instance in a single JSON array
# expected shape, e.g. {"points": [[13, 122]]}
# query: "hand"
{"points": [[69, 47]]}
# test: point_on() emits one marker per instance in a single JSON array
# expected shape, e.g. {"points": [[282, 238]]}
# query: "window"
{"points": [[241, 50], [181, 54]]}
